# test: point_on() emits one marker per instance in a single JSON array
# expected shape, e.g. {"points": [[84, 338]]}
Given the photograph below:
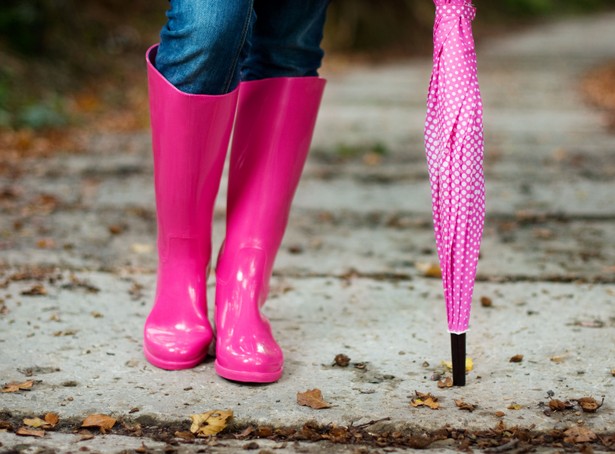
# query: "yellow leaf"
{"points": [[469, 364], [211, 422], [34, 422], [425, 400], [514, 406], [312, 398]]}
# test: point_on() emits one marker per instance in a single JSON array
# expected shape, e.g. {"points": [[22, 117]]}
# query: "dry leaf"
{"points": [[15, 387], [465, 406], [558, 359], [103, 422], [341, 360], [500, 414], [35, 290], [445, 383], [579, 434], [184, 435], [589, 404], [312, 398], [516, 359], [429, 269], [613, 372], [35, 422], [469, 364], [514, 406], [485, 301], [558, 405], [210, 423], [85, 435], [52, 419], [27, 432], [425, 400]]}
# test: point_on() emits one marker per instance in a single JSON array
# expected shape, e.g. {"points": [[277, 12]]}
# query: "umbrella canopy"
{"points": [[454, 147]]}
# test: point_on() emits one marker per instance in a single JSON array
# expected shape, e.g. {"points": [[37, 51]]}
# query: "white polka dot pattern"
{"points": [[454, 147]]}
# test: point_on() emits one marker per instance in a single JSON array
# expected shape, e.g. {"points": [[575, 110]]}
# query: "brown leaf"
{"points": [[28, 432], [35, 290], [589, 404], [210, 423], [446, 382], [431, 270], [15, 387], [312, 398], [558, 405], [558, 359], [579, 434], [516, 359], [341, 360], [425, 400], [465, 406], [52, 419], [85, 435], [500, 414], [485, 301], [103, 422], [184, 435]]}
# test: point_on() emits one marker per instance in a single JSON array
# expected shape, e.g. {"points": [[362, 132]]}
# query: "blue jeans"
{"points": [[208, 46]]}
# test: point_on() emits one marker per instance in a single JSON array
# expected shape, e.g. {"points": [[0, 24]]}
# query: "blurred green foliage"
{"points": [[50, 47]]}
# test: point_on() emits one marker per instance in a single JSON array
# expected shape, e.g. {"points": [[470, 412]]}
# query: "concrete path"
{"points": [[78, 266]]}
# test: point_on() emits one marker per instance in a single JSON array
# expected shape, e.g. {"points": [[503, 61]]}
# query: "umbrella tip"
{"points": [[458, 349]]}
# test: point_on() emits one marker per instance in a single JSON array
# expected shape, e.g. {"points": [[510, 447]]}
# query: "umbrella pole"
{"points": [[458, 349]]}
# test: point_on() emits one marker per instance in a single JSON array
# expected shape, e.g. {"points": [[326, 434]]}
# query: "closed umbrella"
{"points": [[454, 147]]}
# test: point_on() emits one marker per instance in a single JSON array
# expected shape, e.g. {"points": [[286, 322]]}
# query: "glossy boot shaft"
{"points": [[273, 131], [190, 135]]}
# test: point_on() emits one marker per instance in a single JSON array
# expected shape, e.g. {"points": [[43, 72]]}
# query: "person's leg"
{"points": [[190, 134], [273, 130], [285, 41], [203, 43]]}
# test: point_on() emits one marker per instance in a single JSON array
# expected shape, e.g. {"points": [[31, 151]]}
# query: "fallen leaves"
{"points": [[16, 387], [558, 405], [102, 422], [36, 427], [579, 434], [516, 359], [210, 423], [431, 270], [514, 406], [589, 404], [425, 400], [29, 432], [312, 398], [465, 406], [446, 382]]}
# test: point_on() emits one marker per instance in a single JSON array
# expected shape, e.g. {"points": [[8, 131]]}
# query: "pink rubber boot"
{"points": [[190, 135], [273, 130]]}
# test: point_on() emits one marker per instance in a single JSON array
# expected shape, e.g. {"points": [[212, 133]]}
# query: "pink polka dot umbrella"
{"points": [[454, 147]]}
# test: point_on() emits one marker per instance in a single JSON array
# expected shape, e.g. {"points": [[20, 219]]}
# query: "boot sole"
{"points": [[248, 377], [172, 365]]}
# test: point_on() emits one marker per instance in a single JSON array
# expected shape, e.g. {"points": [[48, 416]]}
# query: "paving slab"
{"points": [[77, 266]]}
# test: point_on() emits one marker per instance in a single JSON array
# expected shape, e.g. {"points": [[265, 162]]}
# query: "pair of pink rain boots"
{"points": [[272, 132]]}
